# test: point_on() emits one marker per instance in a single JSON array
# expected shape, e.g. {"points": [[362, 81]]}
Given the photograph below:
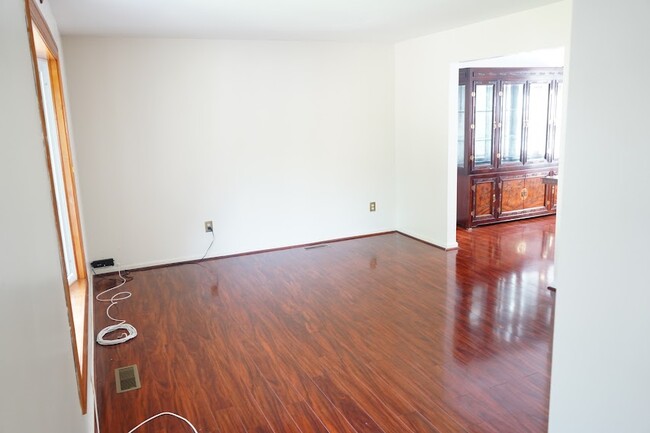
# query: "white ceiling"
{"points": [[326, 20]]}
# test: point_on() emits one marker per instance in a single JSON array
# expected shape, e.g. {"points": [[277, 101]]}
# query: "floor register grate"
{"points": [[127, 378], [311, 247]]}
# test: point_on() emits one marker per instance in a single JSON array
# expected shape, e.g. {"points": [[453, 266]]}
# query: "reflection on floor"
{"points": [[380, 334]]}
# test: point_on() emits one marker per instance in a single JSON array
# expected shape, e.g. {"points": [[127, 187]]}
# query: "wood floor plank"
{"points": [[333, 419], [229, 420], [385, 418], [358, 417], [266, 365], [418, 423], [289, 366], [381, 334], [306, 419], [273, 409]]}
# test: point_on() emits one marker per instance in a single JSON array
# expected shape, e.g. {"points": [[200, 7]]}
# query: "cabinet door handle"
{"points": [[494, 198]]}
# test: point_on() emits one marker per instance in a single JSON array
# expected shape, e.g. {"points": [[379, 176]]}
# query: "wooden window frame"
{"points": [[36, 20]]}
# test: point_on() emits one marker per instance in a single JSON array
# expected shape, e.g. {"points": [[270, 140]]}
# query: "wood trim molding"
{"points": [[68, 172], [270, 250], [34, 18], [247, 253], [42, 27]]}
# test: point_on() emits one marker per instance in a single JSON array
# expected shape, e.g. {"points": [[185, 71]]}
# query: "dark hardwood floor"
{"points": [[379, 334]]}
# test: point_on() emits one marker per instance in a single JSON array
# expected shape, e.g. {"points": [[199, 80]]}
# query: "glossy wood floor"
{"points": [[380, 334]]}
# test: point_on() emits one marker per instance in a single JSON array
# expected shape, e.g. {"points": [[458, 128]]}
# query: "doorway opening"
{"points": [[507, 136]]}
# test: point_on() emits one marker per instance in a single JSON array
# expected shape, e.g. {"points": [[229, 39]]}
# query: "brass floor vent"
{"points": [[127, 378]]}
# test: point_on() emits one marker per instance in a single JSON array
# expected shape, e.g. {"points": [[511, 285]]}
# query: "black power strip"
{"points": [[102, 263]]}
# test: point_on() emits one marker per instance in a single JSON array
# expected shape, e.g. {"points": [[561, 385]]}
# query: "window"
{"points": [[57, 147]]}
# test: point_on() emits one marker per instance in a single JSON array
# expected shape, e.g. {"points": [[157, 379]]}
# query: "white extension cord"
{"points": [[129, 330], [143, 422], [161, 414]]}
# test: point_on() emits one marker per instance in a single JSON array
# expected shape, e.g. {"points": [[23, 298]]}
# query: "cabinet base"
{"points": [[505, 220]]}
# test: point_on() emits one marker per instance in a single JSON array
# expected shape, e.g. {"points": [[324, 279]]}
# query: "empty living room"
{"points": [[416, 216]]}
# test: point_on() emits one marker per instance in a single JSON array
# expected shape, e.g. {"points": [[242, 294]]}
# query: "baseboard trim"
{"points": [[427, 242], [174, 262]]}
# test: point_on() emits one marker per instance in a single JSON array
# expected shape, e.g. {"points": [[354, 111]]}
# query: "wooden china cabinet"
{"points": [[508, 121]]}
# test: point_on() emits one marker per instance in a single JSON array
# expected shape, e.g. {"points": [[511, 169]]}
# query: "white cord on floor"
{"points": [[209, 246], [130, 331], [161, 414]]}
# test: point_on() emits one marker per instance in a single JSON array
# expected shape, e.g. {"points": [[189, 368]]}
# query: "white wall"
{"points": [[279, 143], [601, 350], [426, 70], [548, 57], [36, 362]]}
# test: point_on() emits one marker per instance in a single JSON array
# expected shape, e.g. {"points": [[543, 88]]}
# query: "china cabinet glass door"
{"points": [[559, 113], [484, 124], [460, 157], [537, 122], [512, 121]]}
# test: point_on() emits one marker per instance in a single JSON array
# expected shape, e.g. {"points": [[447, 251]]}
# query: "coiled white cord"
{"points": [[129, 330]]}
